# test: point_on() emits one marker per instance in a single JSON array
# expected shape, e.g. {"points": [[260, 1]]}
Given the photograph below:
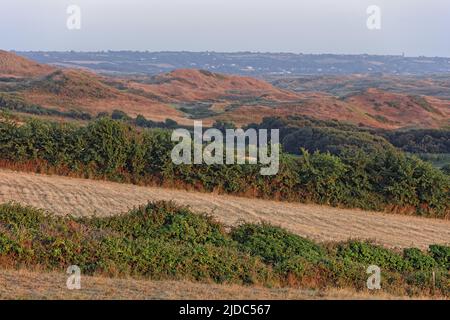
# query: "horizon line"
{"points": [[403, 55]]}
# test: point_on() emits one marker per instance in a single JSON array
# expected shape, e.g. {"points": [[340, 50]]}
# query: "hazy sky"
{"points": [[415, 27]]}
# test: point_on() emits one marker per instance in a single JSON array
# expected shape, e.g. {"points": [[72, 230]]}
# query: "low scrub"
{"points": [[163, 241]]}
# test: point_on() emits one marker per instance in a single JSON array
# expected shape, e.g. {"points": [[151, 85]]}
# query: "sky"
{"points": [[412, 27]]}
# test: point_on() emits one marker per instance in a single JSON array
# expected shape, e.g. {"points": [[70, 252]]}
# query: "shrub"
{"points": [[446, 169], [119, 115], [369, 254], [418, 260], [150, 241], [107, 144], [321, 176], [275, 245], [441, 254], [167, 221]]}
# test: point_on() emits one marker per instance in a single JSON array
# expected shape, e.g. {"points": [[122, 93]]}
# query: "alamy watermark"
{"points": [[374, 280], [231, 149], [74, 280], [74, 20], [374, 20]]}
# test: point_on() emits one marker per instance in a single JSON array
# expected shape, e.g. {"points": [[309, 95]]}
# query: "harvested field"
{"points": [[24, 284], [80, 197]]}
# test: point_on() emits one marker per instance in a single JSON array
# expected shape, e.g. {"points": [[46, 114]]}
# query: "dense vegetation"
{"points": [[383, 180], [420, 141], [324, 135], [162, 241], [439, 160], [12, 102]]}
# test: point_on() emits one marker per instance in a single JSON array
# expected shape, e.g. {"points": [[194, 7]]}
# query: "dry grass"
{"points": [[23, 284], [12, 65], [85, 91], [80, 197]]}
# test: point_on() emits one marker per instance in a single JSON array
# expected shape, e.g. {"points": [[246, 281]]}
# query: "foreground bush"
{"points": [[163, 241]]}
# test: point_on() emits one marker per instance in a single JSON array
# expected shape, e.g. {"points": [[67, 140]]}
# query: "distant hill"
{"points": [[12, 65], [254, 64], [72, 89], [406, 110], [190, 85], [186, 94], [342, 85]]}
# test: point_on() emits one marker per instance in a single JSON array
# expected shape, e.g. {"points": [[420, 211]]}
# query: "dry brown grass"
{"points": [[85, 91], [81, 197], [12, 65], [24, 284]]}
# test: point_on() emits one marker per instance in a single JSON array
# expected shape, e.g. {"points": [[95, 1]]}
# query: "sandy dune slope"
{"points": [[81, 197]]}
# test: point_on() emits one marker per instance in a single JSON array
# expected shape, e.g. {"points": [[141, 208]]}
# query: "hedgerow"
{"points": [[385, 180]]}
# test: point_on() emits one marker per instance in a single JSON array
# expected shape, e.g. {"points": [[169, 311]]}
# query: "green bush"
{"points": [[275, 245], [441, 254], [167, 221], [292, 265], [418, 260], [159, 241], [321, 175], [369, 254], [446, 169]]}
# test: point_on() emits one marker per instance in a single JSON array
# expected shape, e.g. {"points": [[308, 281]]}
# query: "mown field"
{"points": [[85, 197], [35, 285]]}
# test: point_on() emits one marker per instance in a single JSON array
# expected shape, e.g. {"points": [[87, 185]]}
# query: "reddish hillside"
{"points": [[188, 93], [244, 100], [400, 110], [12, 65], [87, 92], [190, 85], [69, 89], [372, 108]]}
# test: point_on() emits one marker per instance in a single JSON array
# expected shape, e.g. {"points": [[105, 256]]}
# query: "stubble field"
{"points": [[80, 197]]}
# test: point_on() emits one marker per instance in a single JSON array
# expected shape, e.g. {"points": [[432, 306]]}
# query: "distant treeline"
{"points": [[298, 132], [384, 180], [420, 140], [140, 120], [14, 103]]}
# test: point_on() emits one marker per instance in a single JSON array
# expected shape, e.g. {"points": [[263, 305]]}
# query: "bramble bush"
{"points": [[441, 254], [275, 245], [419, 260]]}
